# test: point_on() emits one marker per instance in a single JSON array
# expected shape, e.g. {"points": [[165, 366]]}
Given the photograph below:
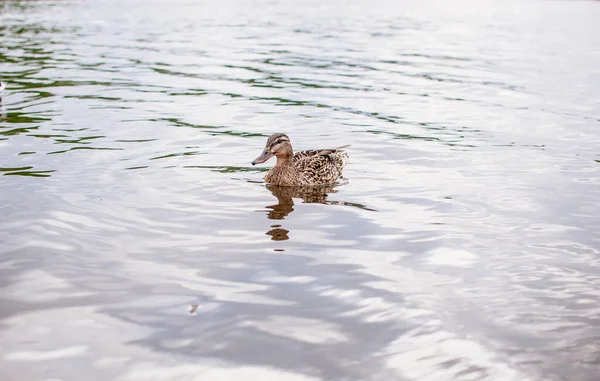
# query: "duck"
{"points": [[302, 168]]}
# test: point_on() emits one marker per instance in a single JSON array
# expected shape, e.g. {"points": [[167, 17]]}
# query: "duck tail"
{"points": [[344, 158]]}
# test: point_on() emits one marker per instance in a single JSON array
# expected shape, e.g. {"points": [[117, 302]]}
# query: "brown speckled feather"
{"points": [[320, 166], [311, 167]]}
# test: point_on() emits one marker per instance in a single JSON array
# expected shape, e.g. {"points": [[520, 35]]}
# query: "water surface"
{"points": [[463, 243]]}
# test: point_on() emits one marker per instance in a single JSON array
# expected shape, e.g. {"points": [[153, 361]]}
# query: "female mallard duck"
{"points": [[312, 167]]}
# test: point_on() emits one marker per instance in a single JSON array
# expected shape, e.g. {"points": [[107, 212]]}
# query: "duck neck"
{"points": [[283, 173], [285, 162]]}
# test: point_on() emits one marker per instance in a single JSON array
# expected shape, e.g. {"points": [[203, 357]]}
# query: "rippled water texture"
{"points": [[463, 243]]}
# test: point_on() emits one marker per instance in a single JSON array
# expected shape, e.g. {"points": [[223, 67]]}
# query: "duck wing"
{"points": [[321, 166], [300, 155]]}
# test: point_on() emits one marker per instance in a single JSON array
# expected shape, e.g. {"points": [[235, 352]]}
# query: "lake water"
{"points": [[463, 243]]}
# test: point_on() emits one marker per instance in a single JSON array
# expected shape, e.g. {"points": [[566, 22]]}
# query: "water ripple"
{"points": [[461, 244]]}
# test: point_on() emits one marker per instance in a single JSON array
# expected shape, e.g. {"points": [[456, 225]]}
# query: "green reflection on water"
{"points": [[227, 169], [134, 140], [396, 135], [81, 140], [190, 153], [90, 148], [47, 136], [25, 171], [30, 173], [7, 169], [17, 131]]}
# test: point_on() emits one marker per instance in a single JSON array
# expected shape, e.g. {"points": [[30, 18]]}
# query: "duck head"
{"points": [[277, 145]]}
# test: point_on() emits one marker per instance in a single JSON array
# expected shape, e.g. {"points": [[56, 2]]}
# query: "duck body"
{"points": [[311, 167], [302, 168]]}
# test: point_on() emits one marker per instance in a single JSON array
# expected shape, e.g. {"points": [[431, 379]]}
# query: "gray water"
{"points": [[462, 244]]}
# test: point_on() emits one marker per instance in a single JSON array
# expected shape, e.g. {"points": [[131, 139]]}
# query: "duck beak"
{"points": [[266, 155]]}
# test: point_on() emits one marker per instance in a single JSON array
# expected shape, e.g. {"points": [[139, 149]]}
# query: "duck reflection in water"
{"points": [[285, 204]]}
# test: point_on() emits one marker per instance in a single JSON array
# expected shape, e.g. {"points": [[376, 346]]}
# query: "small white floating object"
{"points": [[2, 85], [192, 308]]}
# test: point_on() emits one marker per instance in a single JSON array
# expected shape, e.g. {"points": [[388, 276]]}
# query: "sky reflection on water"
{"points": [[462, 243]]}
